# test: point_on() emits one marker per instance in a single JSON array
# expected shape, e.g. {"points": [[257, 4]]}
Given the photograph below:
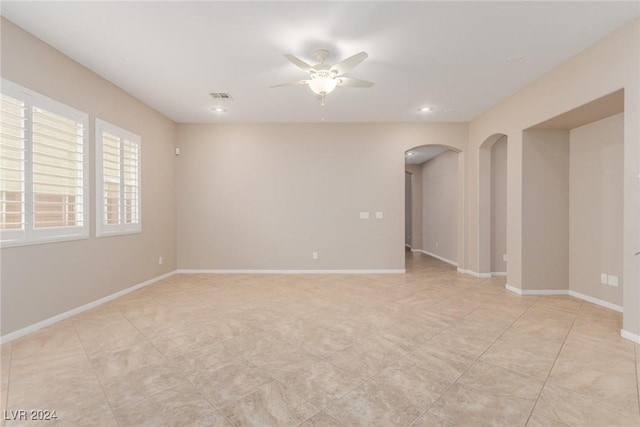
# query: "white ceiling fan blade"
{"points": [[347, 64], [299, 63], [299, 82], [351, 82]]}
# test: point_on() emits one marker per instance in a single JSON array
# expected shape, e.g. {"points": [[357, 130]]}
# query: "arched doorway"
{"points": [[437, 201]]}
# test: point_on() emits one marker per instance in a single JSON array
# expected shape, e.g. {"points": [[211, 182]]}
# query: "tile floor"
{"points": [[429, 348]]}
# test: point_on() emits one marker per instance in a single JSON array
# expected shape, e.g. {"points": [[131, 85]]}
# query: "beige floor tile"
{"points": [[140, 383], [497, 381], [448, 355], [562, 304], [515, 356], [606, 375], [112, 332], [537, 420], [393, 342], [203, 358], [462, 405], [581, 409], [175, 345], [5, 364], [244, 341], [227, 384], [278, 361], [48, 377], [76, 397], [255, 342], [324, 343], [181, 405], [322, 420], [420, 386], [430, 420], [320, 383], [485, 329], [272, 405], [118, 363], [370, 405], [56, 341], [360, 360]]}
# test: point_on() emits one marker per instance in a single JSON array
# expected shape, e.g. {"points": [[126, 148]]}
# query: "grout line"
{"points": [[552, 366], [94, 372], [474, 362]]}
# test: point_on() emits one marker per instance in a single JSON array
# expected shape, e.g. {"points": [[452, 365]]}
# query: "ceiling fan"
{"points": [[324, 78]]}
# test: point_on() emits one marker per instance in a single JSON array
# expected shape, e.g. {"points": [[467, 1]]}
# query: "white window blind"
{"points": [[118, 180], [12, 166], [43, 166]]}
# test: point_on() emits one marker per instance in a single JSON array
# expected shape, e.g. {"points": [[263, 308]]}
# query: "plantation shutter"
{"points": [[58, 170], [12, 165], [118, 160]]}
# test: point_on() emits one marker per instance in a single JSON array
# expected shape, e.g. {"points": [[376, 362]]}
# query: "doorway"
{"points": [[408, 210]]}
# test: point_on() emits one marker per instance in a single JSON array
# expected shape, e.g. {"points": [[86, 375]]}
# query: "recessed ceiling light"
{"points": [[219, 110], [425, 109]]}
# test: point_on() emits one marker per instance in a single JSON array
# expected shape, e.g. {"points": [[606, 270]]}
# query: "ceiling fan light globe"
{"points": [[322, 85]]}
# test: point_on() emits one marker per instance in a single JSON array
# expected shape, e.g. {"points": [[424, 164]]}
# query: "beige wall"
{"points": [[499, 205], [545, 205], [41, 281], [595, 215], [440, 206], [609, 65], [264, 197]]}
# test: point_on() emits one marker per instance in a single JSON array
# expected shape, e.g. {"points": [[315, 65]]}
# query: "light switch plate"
{"points": [[613, 280], [379, 215], [603, 279], [364, 215]]}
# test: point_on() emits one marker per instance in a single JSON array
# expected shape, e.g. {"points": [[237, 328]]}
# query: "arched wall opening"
{"points": [[492, 190], [437, 201]]}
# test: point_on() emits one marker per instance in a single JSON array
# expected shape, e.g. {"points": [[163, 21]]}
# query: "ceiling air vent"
{"points": [[221, 95]]}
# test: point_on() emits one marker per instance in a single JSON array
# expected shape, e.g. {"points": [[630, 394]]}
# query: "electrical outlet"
{"points": [[160, 261], [314, 255], [504, 257], [612, 280], [603, 279], [436, 244], [364, 215], [379, 215]]}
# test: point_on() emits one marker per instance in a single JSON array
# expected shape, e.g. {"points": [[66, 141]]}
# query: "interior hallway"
{"points": [[431, 347]]}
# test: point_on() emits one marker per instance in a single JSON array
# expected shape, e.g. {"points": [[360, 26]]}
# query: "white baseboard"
{"points": [[596, 301], [58, 317], [191, 271], [474, 273], [630, 336], [498, 274], [547, 292], [536, 292], [513, 289], [448, 261]]}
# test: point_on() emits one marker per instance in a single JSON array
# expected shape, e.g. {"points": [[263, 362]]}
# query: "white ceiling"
{"points": [[452, 56]]}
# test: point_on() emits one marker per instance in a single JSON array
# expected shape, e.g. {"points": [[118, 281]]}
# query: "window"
{"points": [[118, 180], [43, 169]]}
